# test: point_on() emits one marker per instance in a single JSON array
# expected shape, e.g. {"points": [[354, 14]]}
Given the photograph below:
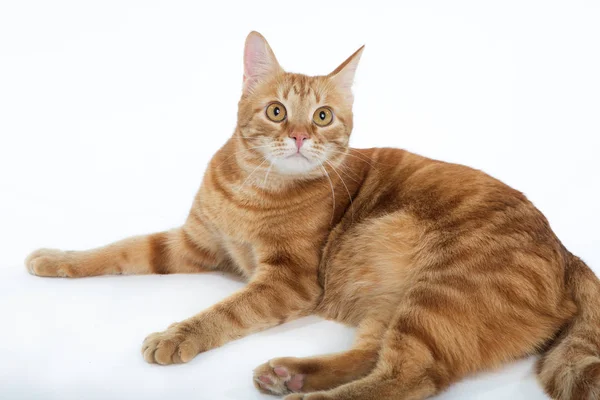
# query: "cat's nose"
{"points": [[299, 137]]}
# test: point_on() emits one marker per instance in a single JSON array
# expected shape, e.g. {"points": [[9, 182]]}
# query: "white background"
{"points": [[110, 111]]}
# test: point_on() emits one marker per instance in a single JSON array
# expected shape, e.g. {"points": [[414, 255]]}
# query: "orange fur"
{"points": [[444, 270]]}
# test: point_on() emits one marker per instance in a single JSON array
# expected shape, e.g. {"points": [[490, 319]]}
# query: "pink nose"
{"points": [[299, 137]]}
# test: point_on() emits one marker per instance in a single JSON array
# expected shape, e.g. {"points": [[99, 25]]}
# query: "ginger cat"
{"points": [[444, 270]]}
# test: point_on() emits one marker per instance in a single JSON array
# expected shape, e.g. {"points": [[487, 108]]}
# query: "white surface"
{"points": [[109, 112]]}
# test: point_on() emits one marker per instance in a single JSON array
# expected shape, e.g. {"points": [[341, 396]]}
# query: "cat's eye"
{"points": [[276, 112], [323, 116]]}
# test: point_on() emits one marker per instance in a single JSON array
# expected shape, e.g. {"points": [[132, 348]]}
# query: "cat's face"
{"points": [[297, 124]]}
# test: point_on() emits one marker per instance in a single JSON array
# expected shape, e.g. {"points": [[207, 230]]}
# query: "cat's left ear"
{"points": [[343, 76]]}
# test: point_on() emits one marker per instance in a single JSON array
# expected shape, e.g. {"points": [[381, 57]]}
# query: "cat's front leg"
{"points": [[182, 250], [282, 290]]}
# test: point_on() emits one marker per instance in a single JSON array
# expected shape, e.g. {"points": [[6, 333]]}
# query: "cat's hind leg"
{"points": [[440, 335], [290, 374], [409, 367]]}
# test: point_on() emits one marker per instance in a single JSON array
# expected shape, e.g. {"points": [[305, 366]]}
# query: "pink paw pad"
{"points": [[265, 379], [295, 383], [281, 372]]}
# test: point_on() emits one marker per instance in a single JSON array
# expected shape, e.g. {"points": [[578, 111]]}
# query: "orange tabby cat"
{"points": [[444, 270]]}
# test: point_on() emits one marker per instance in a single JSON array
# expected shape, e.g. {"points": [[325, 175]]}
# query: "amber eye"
{"points": [[276, 112], [323, 116]]}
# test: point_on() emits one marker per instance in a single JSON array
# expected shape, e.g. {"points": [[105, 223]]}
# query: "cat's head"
{"points": [[295, 123]]}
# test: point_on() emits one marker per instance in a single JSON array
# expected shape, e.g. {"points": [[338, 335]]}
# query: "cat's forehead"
{"points": [[302, 89]]}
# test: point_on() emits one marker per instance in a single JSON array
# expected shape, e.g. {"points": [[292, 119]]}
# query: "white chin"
{"points": [[294, 165]]}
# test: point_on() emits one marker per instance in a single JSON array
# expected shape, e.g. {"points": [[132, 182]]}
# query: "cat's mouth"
{"points": [[298, 155], [296, 163]]}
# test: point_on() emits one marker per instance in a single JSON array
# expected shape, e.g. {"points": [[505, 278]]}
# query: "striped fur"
{"points": [[444, 270]]}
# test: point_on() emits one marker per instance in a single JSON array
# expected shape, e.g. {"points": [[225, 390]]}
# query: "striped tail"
{"points": [[570, 368]]}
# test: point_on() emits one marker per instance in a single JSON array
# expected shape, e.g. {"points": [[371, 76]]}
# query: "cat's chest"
{"points": [[240, 229], [254, 223], [242, 254], [251, 229], [240, 232]]}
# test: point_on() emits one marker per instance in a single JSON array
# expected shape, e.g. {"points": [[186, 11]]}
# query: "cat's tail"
{"points": [[570, 368]]}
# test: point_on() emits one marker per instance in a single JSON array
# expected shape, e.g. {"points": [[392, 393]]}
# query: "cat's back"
{"points": [[430, 190], [448, 199]]}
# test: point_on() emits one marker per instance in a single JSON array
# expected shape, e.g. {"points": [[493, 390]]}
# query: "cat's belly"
{"points": [[368, 269], [353, 299]]}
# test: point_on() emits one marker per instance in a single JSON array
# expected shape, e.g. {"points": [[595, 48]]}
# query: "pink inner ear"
{"points": [[248, 60], [259, 61], [253, 53]]}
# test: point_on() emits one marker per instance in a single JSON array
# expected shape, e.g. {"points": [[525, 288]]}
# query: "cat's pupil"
{"points": [[322, 115], [276, 111]]}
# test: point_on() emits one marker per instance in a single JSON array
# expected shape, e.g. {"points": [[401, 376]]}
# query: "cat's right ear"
{"points": [[259, 61]]}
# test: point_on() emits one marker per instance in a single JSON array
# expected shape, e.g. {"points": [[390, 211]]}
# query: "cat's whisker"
{"points": [[347, 153], [344, 169], [347, 171], [346, 187], [332, 192], [240, 151], [267, 174], [253, 171]]}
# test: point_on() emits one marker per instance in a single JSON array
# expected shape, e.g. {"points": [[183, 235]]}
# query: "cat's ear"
{"points": [[343, 76], [259, 61]]}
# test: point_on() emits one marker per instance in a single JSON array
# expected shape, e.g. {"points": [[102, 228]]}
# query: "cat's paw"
{"points": [[307, 396], [50, 262], [178, 344], [275, 378], [295, 396]]}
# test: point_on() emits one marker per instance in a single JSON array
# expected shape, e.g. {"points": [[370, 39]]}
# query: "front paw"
{"points": [[50, 262], [178, 344]]}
